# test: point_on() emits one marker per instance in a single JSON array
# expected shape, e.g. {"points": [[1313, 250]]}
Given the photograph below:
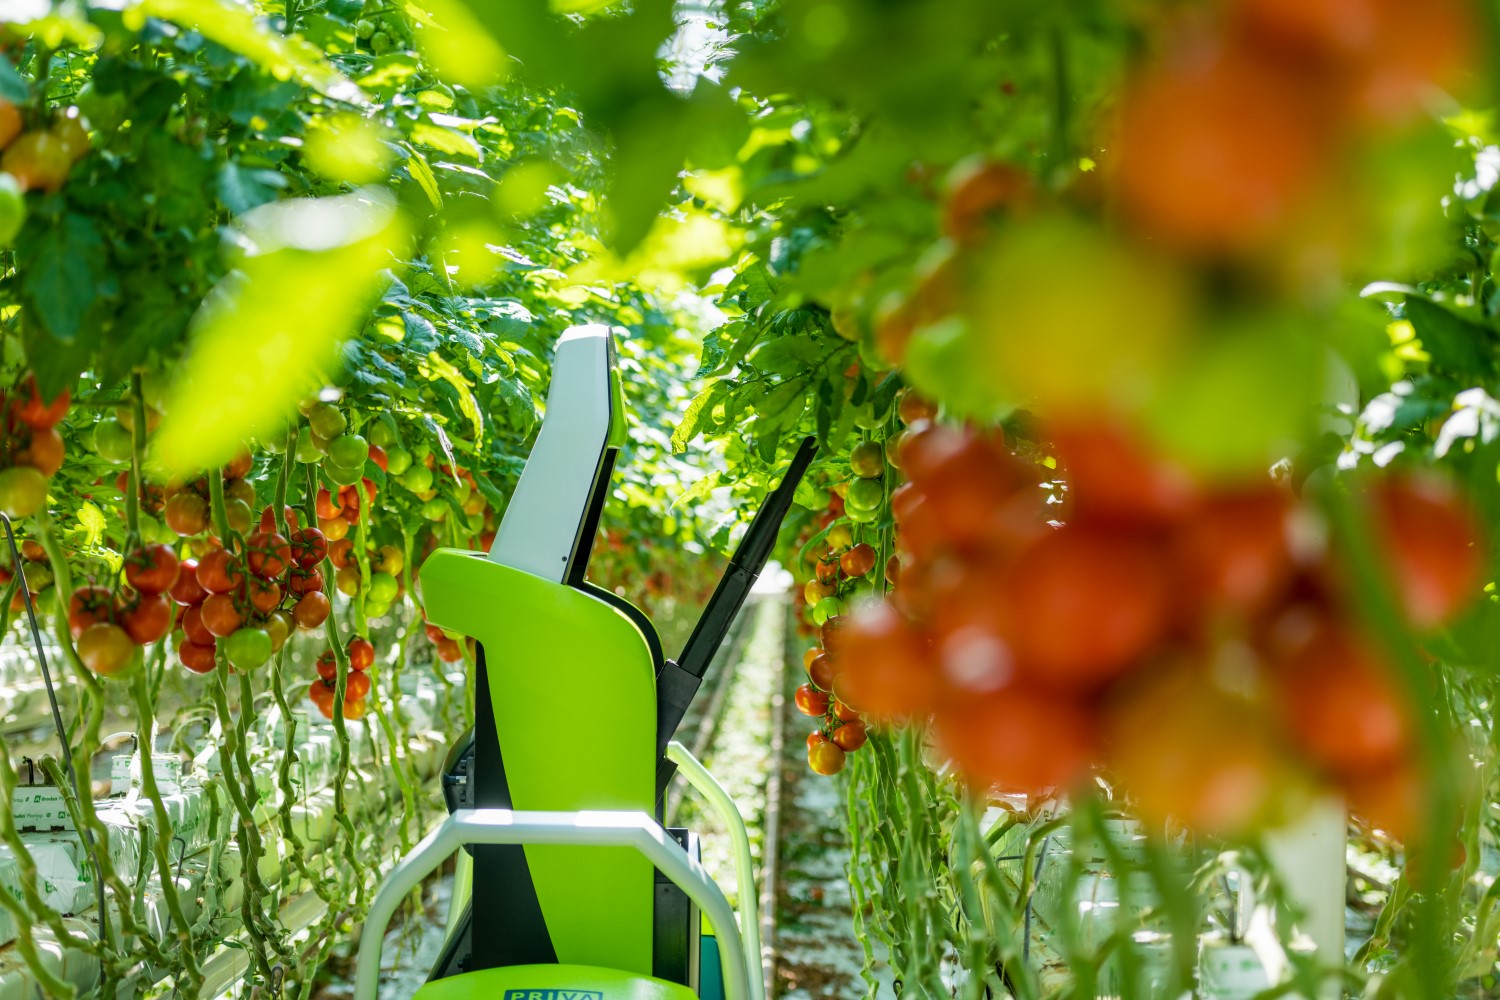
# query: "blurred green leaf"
{"points": [[251, 358]]}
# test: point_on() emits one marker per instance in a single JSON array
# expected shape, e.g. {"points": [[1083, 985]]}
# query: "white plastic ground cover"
{"points": [[66, 877]]}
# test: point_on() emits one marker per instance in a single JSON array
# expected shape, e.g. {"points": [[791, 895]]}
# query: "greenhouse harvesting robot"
{"points": [[571, 887]]}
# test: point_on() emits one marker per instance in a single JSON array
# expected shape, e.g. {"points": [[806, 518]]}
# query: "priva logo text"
{"points": [[553, 995]]}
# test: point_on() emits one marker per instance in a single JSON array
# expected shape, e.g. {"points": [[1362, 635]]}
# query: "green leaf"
{"points": [[13, 86], [699, 490], [251, 358], [241, 189], [93, 522], [436, 365], [421, 172], [697, 411], [726, 347], [67, 272], [444, 140], [238, 30], [1454, 343]]}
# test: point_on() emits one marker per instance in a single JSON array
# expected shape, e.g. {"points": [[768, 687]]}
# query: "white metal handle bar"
{"points": [[581, 829], [744, 869]]}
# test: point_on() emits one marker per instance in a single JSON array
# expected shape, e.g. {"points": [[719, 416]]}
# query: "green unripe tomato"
{"points": [[326, 421], [376, 609], [23, 490], [381, 43], [867, 419], [828, 607], [867, 460], [397, 461], [864, 494], [308, 451], [382, 588], [381, 435], [462, 489], [349, 451], [475, 521], [364, 29], [418, 479], [435, 509], [112, 441], [248, 648], [344, 475], [859, 516], [153, 530], [12, 209]]}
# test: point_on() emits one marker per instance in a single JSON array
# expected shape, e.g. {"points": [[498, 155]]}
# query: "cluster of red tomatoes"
{"points": [[324, 691], [1200, 642], [32, 448], [252, 598], [1251, 106], [36, 159]]}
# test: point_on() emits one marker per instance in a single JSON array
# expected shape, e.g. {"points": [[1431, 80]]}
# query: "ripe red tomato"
{"points": [[187, 513], [827, 571], [356, 685], [264, 595], [377, 455], [1342, 704], [1016, 739], [311, 609], [309, 547], [850, 736], [321, 694], [44, 451], [884, 668], [843, 712], [268, 554], [220, 573], [825, 758], [239, 466], [302, 581], [815, 737], [1080, 606], [341, 553], [187, 590], [328, 666], [821, 671], [355, 709], [361, 653], [220, 616], [1113, 477], [200, 658], [1431, 543], [151, 569], [36, 413], [1233, 551], [191, 622], [89, 605], [106, 649], [1238, 133], [147, 618], [811, 701], [858, 561]]}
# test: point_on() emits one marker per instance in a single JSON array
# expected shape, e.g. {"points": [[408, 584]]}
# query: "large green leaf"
{"points": [[252, 358]]}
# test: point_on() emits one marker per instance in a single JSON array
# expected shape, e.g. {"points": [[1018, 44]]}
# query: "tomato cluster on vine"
{"points": [[31, 450], [35, 159], [1200, 641], [323, 692]]}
